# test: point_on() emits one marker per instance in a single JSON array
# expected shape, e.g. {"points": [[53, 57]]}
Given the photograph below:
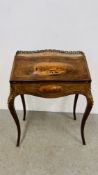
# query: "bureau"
{"points": [[50, 74]]}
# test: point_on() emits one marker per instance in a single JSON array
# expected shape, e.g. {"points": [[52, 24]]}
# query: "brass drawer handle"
{"points": [[50, 89]]}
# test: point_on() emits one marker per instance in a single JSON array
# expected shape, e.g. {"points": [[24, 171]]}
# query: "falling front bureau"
{"points": [[50, 74]]}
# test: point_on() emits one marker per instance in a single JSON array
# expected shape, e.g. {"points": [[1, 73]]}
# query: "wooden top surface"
{"points": [[50, 65]]}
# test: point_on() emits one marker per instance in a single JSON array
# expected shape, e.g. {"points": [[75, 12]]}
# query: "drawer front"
{"points": [[50, 89], [46, 90]]}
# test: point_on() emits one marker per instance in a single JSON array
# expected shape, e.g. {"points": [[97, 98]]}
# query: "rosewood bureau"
{"points": [[50, 74]]}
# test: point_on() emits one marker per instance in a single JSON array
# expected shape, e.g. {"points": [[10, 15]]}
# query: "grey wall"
{"points": [[44, 24]]}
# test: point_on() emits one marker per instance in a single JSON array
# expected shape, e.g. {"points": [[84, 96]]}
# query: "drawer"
{"points": [[50, 89]]}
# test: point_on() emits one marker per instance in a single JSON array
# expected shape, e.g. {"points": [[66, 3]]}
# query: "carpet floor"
{"points": [[50, 145]]}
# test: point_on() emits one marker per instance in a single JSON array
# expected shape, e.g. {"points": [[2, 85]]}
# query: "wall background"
{"points": [[48, 24]]}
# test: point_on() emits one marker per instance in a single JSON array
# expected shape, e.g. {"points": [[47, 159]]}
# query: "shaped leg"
{"points": [[86, 114], [14, 115], [75, 103], [24, 105]]}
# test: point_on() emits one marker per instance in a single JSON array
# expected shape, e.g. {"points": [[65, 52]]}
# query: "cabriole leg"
{"points": [[75, 103], [11, 107], [24, 106], [86, 114]]}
